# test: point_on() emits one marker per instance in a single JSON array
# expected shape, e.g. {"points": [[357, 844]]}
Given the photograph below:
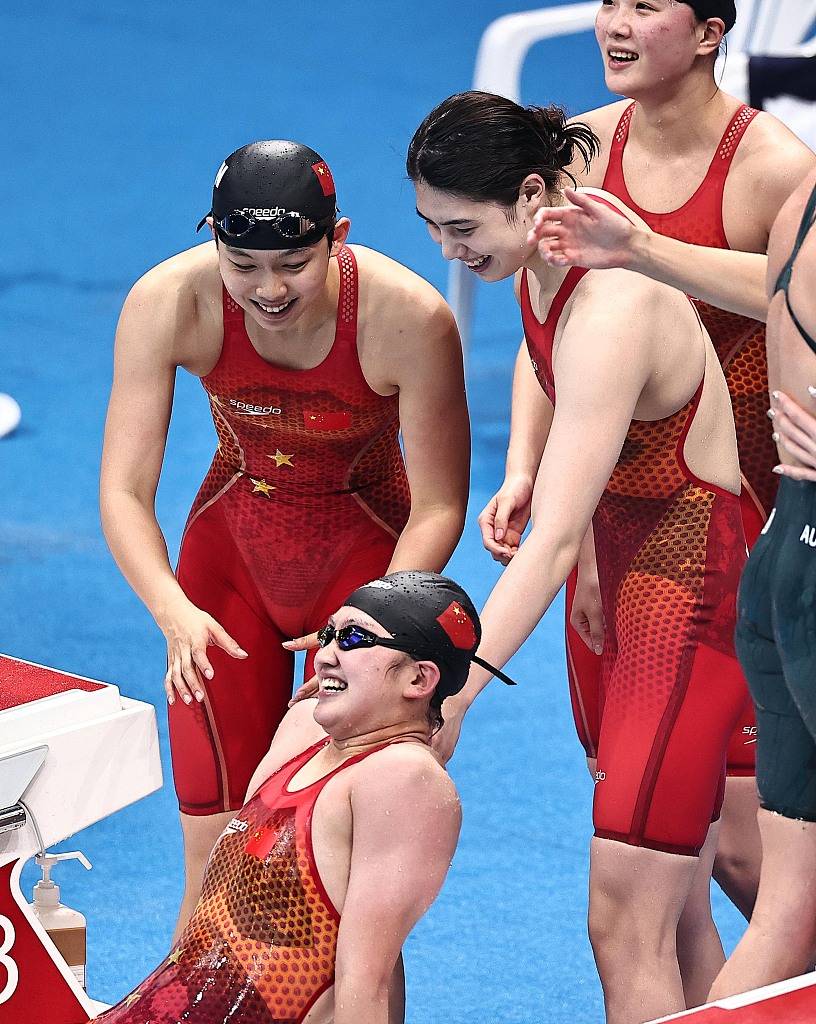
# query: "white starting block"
{"points": [[789, 1002], [72, 751]]}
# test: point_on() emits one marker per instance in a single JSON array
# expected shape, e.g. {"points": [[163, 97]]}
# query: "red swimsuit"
{"points": [[303, 502], [740, 345], [260, 947], [670, 549]]}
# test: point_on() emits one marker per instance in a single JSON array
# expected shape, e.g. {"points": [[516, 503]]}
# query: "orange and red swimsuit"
{"points": [[303, 503], [740, 345], [670, 548], [261, 945]]}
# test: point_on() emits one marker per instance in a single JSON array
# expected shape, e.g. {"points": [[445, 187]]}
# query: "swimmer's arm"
{"points": [[135, 438], [777, 162], [730, 280], [590, 234], [406, 819], [590, 424], [436, 436], [145, 363], [531, 416], [504, 519]]}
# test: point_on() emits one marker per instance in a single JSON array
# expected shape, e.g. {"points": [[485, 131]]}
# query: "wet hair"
{"points": [[482, 146], [726, 10]]}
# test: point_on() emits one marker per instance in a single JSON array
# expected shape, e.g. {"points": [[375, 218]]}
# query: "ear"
{"points": [[532, 194], [713, 32], [211, 225], [423, 683], [341, 231]]}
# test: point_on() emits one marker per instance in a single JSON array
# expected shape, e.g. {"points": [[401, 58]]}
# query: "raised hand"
{"points": [[587, 233]]}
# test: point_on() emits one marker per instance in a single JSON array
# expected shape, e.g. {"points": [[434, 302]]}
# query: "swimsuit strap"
{"points": [[348, 298], [784, 279]]}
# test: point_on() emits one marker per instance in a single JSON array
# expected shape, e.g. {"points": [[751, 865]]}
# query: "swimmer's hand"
{"points": [[311, 686], [586, 616], [585, 234], [796, 429], [444, 742], [189, 631], [505, 517]]}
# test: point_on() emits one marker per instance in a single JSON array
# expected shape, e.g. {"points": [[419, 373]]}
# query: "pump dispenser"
{"points": [[65, 927]]}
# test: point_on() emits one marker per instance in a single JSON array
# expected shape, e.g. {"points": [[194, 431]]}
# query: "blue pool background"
{"points": [[115, 121]]}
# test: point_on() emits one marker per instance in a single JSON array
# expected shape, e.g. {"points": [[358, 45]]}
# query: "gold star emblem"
{"points": [[281, 459], [133, 998], [261, 487], [175, 956], [320, 170]]}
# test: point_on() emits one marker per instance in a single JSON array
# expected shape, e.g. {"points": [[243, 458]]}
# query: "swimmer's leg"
{"points": [[636, 897], [739, 853], [780, 942], [199, 834], [699, 950], [217, 745]]}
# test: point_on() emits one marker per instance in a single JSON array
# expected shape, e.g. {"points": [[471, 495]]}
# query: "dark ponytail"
{"points": [[482, 146]]}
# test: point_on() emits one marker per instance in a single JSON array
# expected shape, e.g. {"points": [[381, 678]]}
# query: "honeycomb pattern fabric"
{"points": [[670, 549], [739, 343], [304, 501], [738, 340], [260, 947], [304, 456]]}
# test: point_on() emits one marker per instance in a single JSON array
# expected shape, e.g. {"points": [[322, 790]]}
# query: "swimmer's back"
{"points": [[679, 355]]}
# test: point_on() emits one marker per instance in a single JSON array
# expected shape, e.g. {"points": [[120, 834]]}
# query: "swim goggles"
{"points": [[354, 638], [289, 224]]}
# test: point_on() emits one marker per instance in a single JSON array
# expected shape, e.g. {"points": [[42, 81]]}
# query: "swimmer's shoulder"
{"points": [[182, 277], [773, 154], [412, 773], [181, 297], [396, 301], [647, 308], [297, 730], [384, 281], [604, 123]]}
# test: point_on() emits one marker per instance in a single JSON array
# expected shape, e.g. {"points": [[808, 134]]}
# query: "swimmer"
{"points": [[776, 636], [314, 356], [708, 175], [346, 835], [640, 442]]}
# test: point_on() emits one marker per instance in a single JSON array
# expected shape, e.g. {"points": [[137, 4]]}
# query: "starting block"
{"points": [[72, 751], [788, 1002]]}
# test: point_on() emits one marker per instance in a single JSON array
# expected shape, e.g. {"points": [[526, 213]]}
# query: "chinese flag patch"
{"points": [[458, 625], [324, 176], [326, 420]]}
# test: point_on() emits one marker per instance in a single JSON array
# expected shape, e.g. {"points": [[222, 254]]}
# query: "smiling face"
{"points": [[372, 688], [276, 286], [650, 45], [480, 233]]}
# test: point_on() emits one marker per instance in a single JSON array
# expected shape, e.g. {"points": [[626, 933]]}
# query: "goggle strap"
{"points": [[496, 672]]}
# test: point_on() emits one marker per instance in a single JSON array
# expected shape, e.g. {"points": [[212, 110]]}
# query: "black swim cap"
{"points": [[432, 618], [725, 9], [268, 186]]}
